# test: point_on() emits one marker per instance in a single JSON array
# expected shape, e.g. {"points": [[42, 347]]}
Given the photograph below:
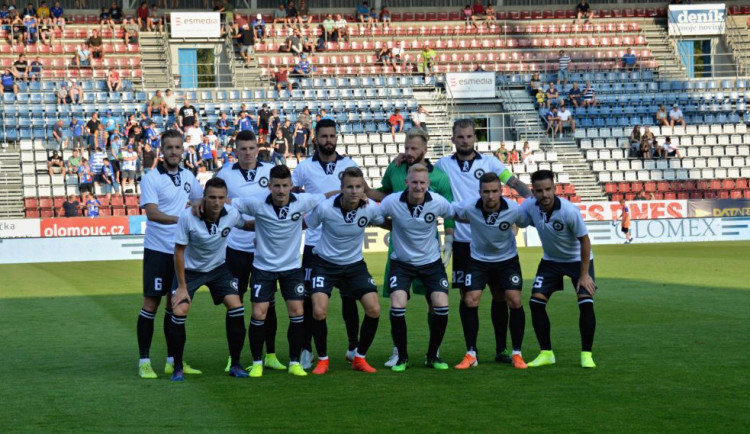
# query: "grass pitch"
{"points": [[671, 348]]}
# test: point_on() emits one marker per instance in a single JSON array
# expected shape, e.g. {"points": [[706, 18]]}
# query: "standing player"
{"points": [[278, 224], [338, 262], [465, 168], [394, 180], [199, 260], [625, 221], [165, 193], [245, 178], [318, 175], [493, 260], [416, 254], [567, 252]]}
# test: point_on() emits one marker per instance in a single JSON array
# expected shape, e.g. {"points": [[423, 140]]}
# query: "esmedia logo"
{"points": [[471, 81]]}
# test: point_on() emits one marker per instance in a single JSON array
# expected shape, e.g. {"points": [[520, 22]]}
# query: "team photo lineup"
{"points": [[244, 230]]}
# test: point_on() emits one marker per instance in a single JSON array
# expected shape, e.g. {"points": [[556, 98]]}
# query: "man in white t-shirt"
{"points": [[128, 166], [342, 29], [676, 116], [170, 101], [195, 132], [566, 117], [419, 118]]}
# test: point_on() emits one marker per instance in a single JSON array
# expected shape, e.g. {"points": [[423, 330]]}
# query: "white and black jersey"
{"points": [[464, 177], [206, 241], [342, 231], [171, 193], [244, 183], [278, 229], [414, 227], [318, 177], [492, 237], [559, 230]]}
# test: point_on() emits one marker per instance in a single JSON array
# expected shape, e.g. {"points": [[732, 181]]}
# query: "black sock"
{"points": [[398, 331], [307, 331], [350, 313], [586, 322], [517, 327], [499, 314], [256, 335], [367, 334], [177, 336], [235, 323], [145, 330], [167, 325], [438, 330], [320, 334], [540, 321], [470, 323], [271, 325], [294, 336]]}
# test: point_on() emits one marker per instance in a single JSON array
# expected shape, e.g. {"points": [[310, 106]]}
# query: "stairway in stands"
{"points": [[154, 60], [663, 49], [524, 117], [11, 189], [439, 121], [578, 169]]}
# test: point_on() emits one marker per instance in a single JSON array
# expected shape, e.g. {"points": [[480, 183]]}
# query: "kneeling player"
{"points": [[339, 262], [416, 254], [199, 256], [493, 260], [567, 252]]}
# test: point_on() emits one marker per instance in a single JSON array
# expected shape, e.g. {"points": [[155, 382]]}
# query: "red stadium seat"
{"points": [[32, 214], [45, 203], [30, 203], [46, 213]]}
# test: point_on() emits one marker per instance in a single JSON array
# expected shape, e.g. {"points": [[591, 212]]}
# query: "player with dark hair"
{"points": [[416, 254], [464, 168], [165, 192], [321, 174], [248, 177], [567, 252], [338, 262], [199, 253], [278, 225], [493, 261]]}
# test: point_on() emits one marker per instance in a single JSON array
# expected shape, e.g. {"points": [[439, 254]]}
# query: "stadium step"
{"points": [[11, 183], [154, 61]]}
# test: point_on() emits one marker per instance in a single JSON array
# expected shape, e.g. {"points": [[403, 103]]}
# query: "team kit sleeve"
{"points": [[445, 209], [577, 225], [310, 201], [459, 210], [196, 190], [237, 220], [385, 207], [245, 205], [148, 192], [298, 178], [313, 218], [525, 212], [521, 220], [375, 217], [183, 228], [444, 189]]}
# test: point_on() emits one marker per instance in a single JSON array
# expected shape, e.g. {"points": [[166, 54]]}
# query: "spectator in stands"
{"points": [[669, 149], [246, 39], [635, 140], [398, 54], [662, 117], [45, 32], [589, 96], [222, 128], [564, 65], [342, 29], [540, 95], [566, 118], [553, 96], [21, 68], [85, 177], [73, 161], [92, 126], [396, 121], [109, 179], [8, 83], [527, 155], [292, 14], [155, 20], [96, 44], [70, 208], [188, 114], [18, 29], [553, 122], [203, 175], [192, 160], [427, 56], [279, 15], [75, 92], [535, 84], [97, 162], [111, 126], [58, 135], [4, 15], [286, 45], [35, 69], [383, 55], [29, 11], [280, 149], [303, 13], [62, 94], [148, 158], [82, 58], [502, 153], [419, 118], [676, 116], [156, 104], [194, 131], [77, 134], [42, 12], [115, 12], [363, 14], [329, 27], [478, 12], [100, 137], [57, 15], [130, 31], [647, 134], [55, 160], [207, 154], [301, 137], [262, 117], [308, 44], [384, 16], [259, 28], [105, 19], [129, 166], [646, 150], [466, 13], [490, 16], [583, 10], [243, 122], [513, 157], [114, 82], [92, 205], [629, 61], [32, 29], [281, 79], [303, 67], [142, 15]]}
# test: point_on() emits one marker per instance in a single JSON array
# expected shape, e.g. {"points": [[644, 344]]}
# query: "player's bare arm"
{"points": [[154, 214], [518, 185], [181, 294]]}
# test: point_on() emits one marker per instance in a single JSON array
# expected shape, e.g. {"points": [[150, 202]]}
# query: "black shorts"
{"points": [[7, 88], [307, 264], [432, 275], [461, 255], [550, 274], [352, 280], [625, 230], [501, 276], [240, 264], [263, 285], [219, 281], [158, 273]]}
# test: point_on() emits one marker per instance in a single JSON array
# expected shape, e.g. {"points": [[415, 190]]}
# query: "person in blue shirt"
{"points": [[109, 179], [76, 132], [151, 136], [363, 12], [629, 60], [259, 27], [145, 121], [303, 67], [110, 123], [226, 154], [204, 150], [57, 15], [5, 14], [92, 206], [35, 70], [8, 83], [30, 10], [31, 29], [244, 122], [222, 128]]}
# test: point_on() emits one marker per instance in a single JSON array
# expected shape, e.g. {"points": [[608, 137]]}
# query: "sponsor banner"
{"points": [[663, 231], [137, 224], [84, 227], [19, 228], [719, 208], [703, 19], [195, 25], [70, 249], [639, 210], [376, 240], [471, 84]]}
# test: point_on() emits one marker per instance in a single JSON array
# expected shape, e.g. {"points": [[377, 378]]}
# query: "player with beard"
{"points": [[394, 180], [464, 168], [321, 174]]}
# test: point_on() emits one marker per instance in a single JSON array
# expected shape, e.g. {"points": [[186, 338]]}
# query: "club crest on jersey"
{"points": [[225, 232], [515, 279], [478, 173], [491, 219], [330, 168], [177, 180], [282, 212], [466, 166], [212, 230], [350, 216], [504, 226], [558, 226], [296, 216], [417, 211], [429, 217], [263, 182], [250, 175], [362, 222]]}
